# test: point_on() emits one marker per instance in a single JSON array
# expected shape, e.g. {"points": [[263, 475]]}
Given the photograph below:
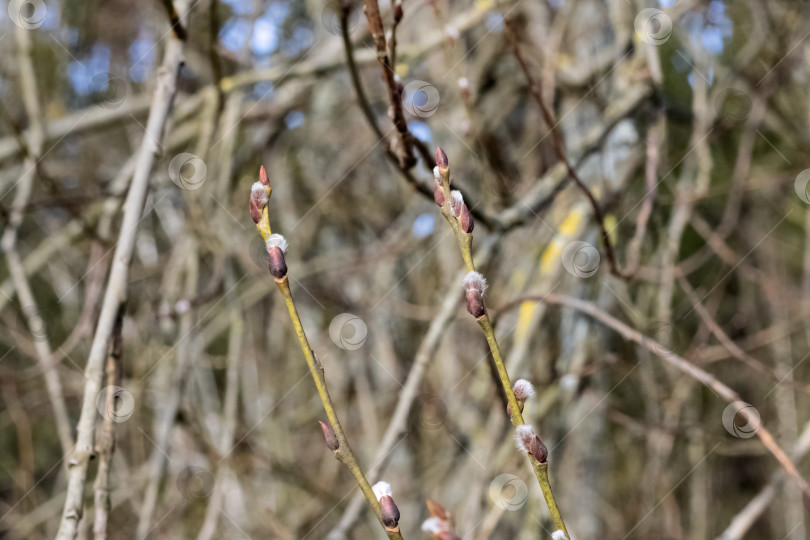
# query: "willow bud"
{"points": [[329, 437], [528, 442], [258, 200], [389, 510], [276, 248], [467, 223], [438, 189], [523, 389], [474, 287], [441, 159], [456, 202], [397, 13]]}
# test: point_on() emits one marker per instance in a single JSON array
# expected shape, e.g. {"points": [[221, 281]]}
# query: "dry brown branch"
{"points": [[678, 362], [115, 292]]}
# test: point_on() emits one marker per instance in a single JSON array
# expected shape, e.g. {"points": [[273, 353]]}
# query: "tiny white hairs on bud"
{"points": [[258, 191], [523, 390], [463, 83], [474, 281], [437, 176], [433, 525], [381, 489], [456, 202], [523, 437], [276, 240], [558, 535]]}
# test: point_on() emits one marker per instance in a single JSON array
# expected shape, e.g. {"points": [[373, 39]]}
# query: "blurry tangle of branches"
{"points": [[625, 190]]}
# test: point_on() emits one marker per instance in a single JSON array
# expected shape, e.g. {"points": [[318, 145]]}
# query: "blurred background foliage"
{"points": [[688, 123]]}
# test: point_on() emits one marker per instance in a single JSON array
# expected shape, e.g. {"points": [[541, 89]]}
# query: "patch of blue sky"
{"points": [[423, 225], [85, 74], [142, 56], [420, 130]]}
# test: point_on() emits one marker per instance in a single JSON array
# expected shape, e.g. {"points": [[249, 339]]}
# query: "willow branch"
{"points": [[456, 214]]}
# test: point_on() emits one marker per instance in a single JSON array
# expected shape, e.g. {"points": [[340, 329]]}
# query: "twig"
{"points": [[8, 243], [654, 139], [188, 251], [333, 434], [560, 151], [174, 20], [229, 413], [746, 517], [106, 444], [395, 111], [115, 293], [727, 342]]}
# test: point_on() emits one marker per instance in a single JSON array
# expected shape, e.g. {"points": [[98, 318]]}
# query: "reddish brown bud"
{"points": [[276, 248], [258, 200], [528, 442], [441, 158], [437, 510], [467, 223], [538, 449], [263, 178], [390, 512], [474, 287], [397, 13], [329, 437], [438, 194], [475, 304]]}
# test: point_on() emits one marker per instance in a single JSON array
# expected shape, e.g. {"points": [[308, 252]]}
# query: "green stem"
{"points": [[465, 246], [344, 452], [541, 471]]}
